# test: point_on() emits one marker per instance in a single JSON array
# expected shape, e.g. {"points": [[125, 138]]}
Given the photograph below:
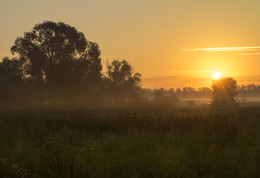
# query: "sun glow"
{"points": [[216, 75]]}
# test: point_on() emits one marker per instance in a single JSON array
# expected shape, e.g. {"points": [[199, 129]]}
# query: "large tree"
{"points": [[223, 92], [56, 53]]}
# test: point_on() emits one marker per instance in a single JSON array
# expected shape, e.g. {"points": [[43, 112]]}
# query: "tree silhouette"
{"points": [[94, 67], [56, 53], [55, 64], [122, 79], [223, 92], [121, 74]]}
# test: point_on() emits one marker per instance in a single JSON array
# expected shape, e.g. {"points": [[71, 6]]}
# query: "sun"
{"points": [[216, 75]]}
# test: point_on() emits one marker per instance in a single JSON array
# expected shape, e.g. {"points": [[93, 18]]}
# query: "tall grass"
{"points": [[130, 143]]}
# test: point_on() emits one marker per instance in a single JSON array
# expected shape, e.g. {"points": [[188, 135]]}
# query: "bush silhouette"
{"points": [[223, 93]]}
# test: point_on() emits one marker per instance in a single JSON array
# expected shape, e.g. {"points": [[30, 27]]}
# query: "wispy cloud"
{"points": [[190, 71], [248, 54], [226, 49], [245, 48]]}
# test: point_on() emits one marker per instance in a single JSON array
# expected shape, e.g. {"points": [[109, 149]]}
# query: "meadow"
{"points": [[130, 142], [71, 107]]}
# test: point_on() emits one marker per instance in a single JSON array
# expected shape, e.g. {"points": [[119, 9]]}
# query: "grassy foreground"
{"points": [[130, 143]]}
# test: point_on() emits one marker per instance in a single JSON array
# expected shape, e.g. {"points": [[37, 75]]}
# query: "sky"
{"points": [[172, 43]]}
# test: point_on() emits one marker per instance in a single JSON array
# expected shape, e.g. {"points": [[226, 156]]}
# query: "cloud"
{"points": [[190, 71], [246, 48], [248, 54], [226, 49]]}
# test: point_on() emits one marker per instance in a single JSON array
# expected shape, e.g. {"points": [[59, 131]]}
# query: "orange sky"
{"points": [[172, 43]]}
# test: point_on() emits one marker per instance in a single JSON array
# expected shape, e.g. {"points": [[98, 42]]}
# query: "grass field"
{"points": [[130, 143]]}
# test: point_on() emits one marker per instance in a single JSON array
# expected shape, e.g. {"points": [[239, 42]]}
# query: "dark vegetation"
{"points": [[224, 92], [55, 66], [62, 115], [130, 143]]}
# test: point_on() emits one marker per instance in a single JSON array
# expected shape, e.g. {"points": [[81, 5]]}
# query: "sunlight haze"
{"points": [[216, 75]]}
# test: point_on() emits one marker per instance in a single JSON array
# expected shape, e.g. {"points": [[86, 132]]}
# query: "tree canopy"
{"points": [[122, 80], [121, 74], [57, 53]]}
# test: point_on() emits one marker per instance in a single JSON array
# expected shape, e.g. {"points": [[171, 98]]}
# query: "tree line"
{"points": [[54, 64], [250, 90]]}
